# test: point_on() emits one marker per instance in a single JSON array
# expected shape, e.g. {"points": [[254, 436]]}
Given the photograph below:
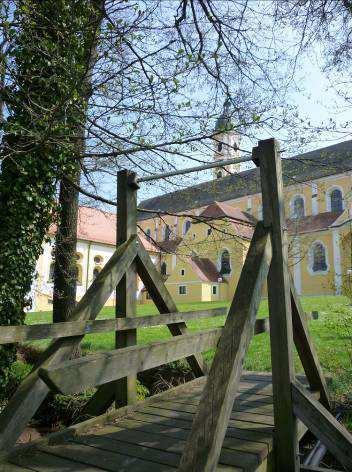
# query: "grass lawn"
{"points": [[334, 350]]}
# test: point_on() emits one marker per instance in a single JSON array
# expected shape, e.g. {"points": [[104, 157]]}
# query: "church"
{"points": [[198, 237]]}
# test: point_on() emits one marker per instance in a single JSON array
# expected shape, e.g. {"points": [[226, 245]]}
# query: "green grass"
{"points": [[334, 351]]}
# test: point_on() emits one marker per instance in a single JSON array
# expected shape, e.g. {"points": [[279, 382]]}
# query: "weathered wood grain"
{"points": [[323, 425], [43, 462], [32, 391], [125, 389], [209, 426], [164, 302], [24, 333], [89, 371], [106, 460], [280, 313], [306, 350]]}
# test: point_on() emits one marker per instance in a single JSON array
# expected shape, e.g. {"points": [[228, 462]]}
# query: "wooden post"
{"points": [[281, 336], [126, 388]]}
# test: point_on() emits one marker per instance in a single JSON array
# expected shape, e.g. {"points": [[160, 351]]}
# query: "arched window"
{"points": [[186, 226], [166, 232], [96, 272], [319, 263], [298, 207], [219, 174], [336, 201], [148, 233], [98, 259], [225, 263], [78, 274], [51, 272], [163, 268]]}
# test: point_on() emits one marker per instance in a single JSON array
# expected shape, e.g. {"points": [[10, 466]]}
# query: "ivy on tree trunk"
{"points": [[46, 105]]}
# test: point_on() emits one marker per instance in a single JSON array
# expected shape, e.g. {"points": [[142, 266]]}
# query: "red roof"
{"points": [[312, 223], [242, 222], [100, 226], [205, 269]]}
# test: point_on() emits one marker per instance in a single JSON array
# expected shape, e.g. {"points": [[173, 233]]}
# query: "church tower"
{"points": [[226, 143]]}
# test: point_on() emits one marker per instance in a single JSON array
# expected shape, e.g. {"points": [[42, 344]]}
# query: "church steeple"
{"points": [[226, 142]]}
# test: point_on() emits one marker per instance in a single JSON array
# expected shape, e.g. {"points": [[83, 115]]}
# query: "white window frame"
{"points": [[311, 259], [328, 196], [179, 290], [219, 261], [292, 206]]}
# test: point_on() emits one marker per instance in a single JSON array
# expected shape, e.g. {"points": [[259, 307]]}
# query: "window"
{"points": [[96, 272], [336, 201], [51, 272], [298, 207], [166, 232], [186, 226], [214, 290], [225, 263], [219, 174], [182, 290], [319, 258], [182, 272], [209, 231], [148, 234], [147, 296], [219, 147], [78, 274], [163, 268], [98, 259]]}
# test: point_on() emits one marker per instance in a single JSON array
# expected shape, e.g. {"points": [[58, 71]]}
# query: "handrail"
{"points": [[24, 333]]}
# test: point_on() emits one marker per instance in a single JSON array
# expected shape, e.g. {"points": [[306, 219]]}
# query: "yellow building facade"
{"points": [[199, 236]]}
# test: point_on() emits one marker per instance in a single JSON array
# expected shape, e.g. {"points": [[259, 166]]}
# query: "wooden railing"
{"points": [[35, 332]]}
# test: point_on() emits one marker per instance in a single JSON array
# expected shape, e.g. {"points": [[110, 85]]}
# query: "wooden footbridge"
{"points": [[225, 419]]}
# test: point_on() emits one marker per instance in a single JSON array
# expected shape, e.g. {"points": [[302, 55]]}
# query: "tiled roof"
{"points": [[311, 223], [100, 226], [223, 210], [312, 165], [241, 221], [170, 245], [205, 269]]}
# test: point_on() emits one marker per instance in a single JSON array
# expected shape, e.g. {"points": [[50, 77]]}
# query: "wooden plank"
{"points": [[280, 314], [126, 388], [311, 468], [184, 420], [249, 407], [104, 459], [24, 333], [43, 462], [210, 422], [7, 467], [164, 302], [306, 350], [243, 442], [175, 409], [323, 425], [78, 374], [156, 447], [133, 448], [153, 282], [32, 391]]}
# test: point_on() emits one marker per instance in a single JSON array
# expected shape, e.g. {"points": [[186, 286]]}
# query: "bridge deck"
{"points": [[151, 437]]}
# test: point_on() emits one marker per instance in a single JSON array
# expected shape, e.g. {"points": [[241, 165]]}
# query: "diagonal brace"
{"points": [[322, 424], [204, 443]]}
